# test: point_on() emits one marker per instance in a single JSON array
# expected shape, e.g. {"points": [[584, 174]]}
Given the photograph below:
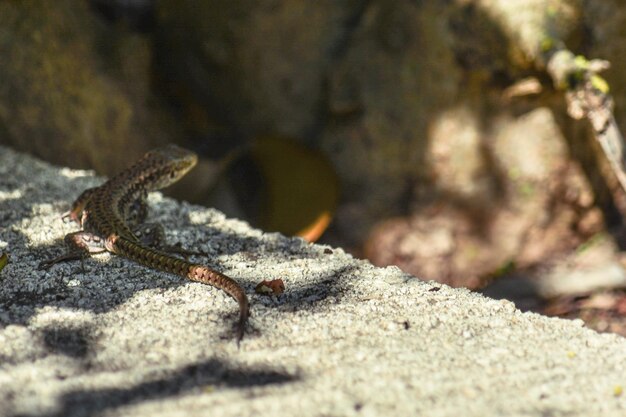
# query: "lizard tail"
{"points": [[156, 259]]}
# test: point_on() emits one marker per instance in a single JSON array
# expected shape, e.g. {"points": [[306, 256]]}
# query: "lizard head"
{"points": [[166, 165]]}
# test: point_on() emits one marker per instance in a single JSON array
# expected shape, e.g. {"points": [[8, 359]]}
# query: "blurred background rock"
{"points": [[393, 129]]}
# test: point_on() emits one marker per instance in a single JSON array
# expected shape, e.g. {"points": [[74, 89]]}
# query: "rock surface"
{"points": [[346, 338], [76, 91]]}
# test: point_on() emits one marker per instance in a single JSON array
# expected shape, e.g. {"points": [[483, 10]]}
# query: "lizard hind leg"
{"points": [[80, 245], [153, 235], [150, 234]]}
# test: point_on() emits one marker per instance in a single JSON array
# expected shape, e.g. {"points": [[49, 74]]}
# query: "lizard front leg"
{"points": [[136, 212], [76, 212], [80, 245]]}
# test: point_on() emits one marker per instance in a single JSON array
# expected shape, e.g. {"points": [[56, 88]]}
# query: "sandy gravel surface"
{"points": [[111, 338]]}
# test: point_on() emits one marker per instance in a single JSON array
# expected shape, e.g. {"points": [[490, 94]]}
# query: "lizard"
{"points": [[111, 217]]}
